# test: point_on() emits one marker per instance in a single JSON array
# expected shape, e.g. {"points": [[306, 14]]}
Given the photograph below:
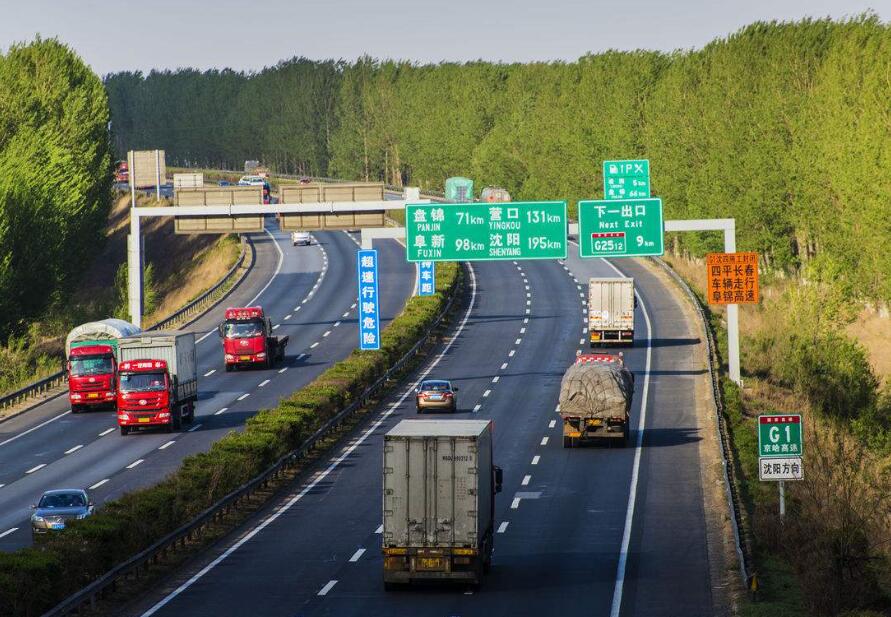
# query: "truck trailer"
{"points": [[157, 380], [611, 304], [91, 362], [439, 501], [595, 400]]}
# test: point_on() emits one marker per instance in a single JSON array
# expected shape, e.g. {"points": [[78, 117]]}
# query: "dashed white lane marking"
{"points": [[528, 311], [8, 531], [511, 353], [535, 459], [2, 485], [328, 586], [526, 480], [74, 449], [544, 441], [99, 483], [210, 372], [476, 407], [502, 527], [528, 294], [518, 341], [326, 333], [347, 314], [135, 463], [515, 503], [496, 378], [526, 320], [557, 408], [487, 393], [314, 345], [522, 330], [357, 555], [282, 370], [528, 302], [380, 529], [194, 428], [220, 411], [336, 323], [581, 341], [584, 330], [106, 432], [275, 327], [34, 428], [33, 469], [353, 305], [263, 383], [527, 287], [301, 356], [167, 445], [552, 424], [504, 366], [243, 396], [288, 316], [297, 308], [305, 300]]}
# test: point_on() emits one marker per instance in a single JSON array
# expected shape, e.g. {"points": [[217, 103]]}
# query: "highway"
{"points": [[593, 531], [309, 293]]}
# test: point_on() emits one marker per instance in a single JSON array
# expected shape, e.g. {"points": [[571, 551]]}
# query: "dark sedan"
{"points": [[57, 507]]}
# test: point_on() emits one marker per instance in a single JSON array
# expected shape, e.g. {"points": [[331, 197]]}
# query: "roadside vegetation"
{"points": [[33, 580]]}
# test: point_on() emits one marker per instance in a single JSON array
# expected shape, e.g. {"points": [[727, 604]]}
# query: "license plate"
{"points": [[57, 526], [430, 563], [244, 358], [596, 422], [435, 397], [93, 395], [145, 419]]}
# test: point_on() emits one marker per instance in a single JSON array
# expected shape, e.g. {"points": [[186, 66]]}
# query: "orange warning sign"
{"points": [[732, 278]]}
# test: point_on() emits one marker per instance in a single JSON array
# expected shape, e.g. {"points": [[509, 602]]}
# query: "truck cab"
{"points": [[91, 377], [147, 396], [248, 340]]}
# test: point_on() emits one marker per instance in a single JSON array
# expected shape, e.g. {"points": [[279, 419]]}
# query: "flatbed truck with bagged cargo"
{"points": [[439, 485], [595, 400]]}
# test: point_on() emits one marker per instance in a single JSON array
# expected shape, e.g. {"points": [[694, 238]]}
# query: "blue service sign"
{"points": [[426, 278], [369, 307]]}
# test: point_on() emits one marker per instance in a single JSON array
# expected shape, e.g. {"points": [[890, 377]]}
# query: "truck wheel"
{"points": [[125, 430], [229, 368], [75, 409], [176, 422], [567, 442]]}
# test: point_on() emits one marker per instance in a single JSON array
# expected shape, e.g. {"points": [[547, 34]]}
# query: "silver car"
{"points": [[57, 507], [301, 237]]}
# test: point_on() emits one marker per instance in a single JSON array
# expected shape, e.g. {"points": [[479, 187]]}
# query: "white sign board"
{"points": [[780, 468], [188, 181]]}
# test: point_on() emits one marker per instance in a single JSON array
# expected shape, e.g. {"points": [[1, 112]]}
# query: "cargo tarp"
{"points": [[105, 330], [592, 390]]}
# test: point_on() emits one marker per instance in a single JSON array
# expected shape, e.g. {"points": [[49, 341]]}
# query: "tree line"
{"points": [[784, 126], [55, 176]]}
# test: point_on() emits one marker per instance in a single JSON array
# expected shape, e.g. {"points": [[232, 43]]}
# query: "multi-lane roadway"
{"points": [[593, 531], [310, 294]]}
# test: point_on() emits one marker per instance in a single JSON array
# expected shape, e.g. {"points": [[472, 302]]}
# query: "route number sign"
{"points": [[779, 435], [732, 278], [621, 228], [626, 179], [486, 231]]}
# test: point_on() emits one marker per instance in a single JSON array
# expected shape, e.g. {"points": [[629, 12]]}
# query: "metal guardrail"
{"points": [[194, 308], [95, 590], [728, 460]]}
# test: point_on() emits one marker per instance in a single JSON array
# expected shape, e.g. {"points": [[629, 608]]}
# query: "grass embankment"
{"points": [[180, 268], [34, 579], [831, 554]]}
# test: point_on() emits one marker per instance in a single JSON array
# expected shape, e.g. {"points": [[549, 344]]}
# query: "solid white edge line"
{"points": [[34, 428], [334, 464], [635, 469], [357, 555]]}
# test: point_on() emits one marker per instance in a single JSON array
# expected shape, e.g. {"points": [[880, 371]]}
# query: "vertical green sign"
{"points": [[485, 231], [626, 228], [626, 179], [779, 435]]}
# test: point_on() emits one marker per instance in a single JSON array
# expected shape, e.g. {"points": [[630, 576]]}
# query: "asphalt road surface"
{"points": [[594, 531], [310, 294]]}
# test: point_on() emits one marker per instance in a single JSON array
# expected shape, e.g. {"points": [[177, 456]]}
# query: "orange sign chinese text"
{"points": [[732, 278]]}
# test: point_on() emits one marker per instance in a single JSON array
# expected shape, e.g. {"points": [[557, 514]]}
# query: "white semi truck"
{"points": [[611, 306]]}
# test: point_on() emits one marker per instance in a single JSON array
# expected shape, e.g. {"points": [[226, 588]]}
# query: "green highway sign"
{"points": [[626, 179], [486, 231], [621, 228], [779, 435]]}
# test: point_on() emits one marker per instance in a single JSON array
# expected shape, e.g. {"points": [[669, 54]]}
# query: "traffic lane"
{"points": [[286, 564], [669, 570], [47, 431], [135, 468], [522, 406]]}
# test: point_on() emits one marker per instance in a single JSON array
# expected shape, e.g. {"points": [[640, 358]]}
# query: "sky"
{"points": [[121, 35]]}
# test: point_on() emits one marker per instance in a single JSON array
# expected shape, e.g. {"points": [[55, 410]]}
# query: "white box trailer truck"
{"points": [[611, 306], [439, 501]]}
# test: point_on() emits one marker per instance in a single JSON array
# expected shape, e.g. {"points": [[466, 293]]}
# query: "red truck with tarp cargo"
{"points": [[91, 362], [248, 339]]}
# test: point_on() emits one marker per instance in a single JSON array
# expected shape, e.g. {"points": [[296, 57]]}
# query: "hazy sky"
{"points": [[117, 35]]}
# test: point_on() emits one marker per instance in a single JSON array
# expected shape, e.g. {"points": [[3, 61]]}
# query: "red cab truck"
{"points": [[90, 351], [248, 340], [157, 380]]}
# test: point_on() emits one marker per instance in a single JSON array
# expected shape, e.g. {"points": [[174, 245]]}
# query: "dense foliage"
{"points": [[783, 126], [55, 174]]}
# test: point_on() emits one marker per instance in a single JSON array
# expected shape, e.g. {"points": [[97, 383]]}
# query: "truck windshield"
{"points": [[243, 329], [142, 382], [91, 365]]}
